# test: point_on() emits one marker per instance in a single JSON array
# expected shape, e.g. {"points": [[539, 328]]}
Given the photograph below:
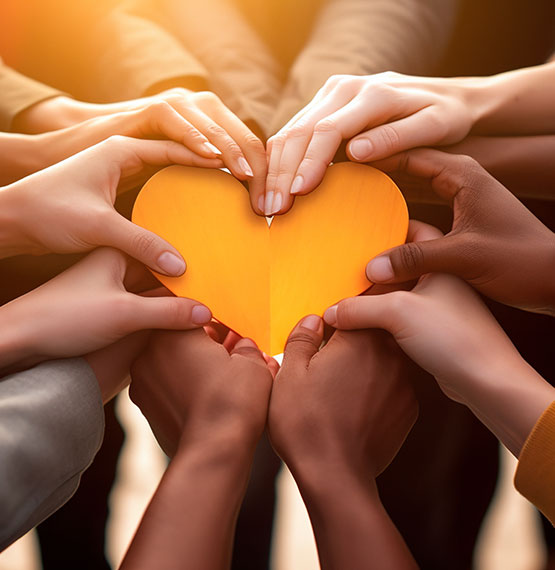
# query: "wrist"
{"points": [[13, 235], [16, 351], [50, 115]]}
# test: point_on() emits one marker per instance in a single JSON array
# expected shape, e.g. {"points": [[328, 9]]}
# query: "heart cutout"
{"points": [[261, 280]]}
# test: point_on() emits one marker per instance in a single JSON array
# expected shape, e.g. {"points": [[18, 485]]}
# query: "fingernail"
{"points": [[360, 149], [312, 323], [330, 316], [268, 203], [246, 343], [200, 315], [380, 269], [276, 204], [213, 149], [244, 166], [261, 203], [171, 264], [297, 185]]}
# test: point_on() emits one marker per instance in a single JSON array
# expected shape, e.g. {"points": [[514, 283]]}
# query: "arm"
{"points": [[361, 37], [337, 417], [45, 447], [210, 425]]}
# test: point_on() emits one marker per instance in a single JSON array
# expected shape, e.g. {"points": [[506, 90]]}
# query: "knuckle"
{"points": [[214, 130], [143, 243], [409, 258], [300, 340], [207, 98], [346, 311], [326, 126], [389, 137]]}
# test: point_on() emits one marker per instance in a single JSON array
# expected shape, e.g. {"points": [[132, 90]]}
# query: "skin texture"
{"points": [[446, 329], [496, 244], [87, 308], [74, 201], [203, 112], [207, 407], [384, 114], [337, 417]]}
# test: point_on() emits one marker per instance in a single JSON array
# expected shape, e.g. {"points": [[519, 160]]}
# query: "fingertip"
{"points": [[360, 150], [245, 343], [171, 264], [312, 323], [201, 315], [330, 316], [380, 269]]}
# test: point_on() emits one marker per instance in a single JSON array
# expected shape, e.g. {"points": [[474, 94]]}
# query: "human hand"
{"points": [[443, 325], [69, 207], [496, 243], [385, 113], [202, 112], [86, 308], [347, 405], [192, 389]]}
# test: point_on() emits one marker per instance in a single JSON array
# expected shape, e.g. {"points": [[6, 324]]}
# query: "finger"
{"points": [[365, 312], [303, 342], [328, 135], [420, 129], [448, 173], [295, 141], [130, 155], [272, 364], [410, 261], [141, 244], [162, 119], [167, 313], [217, 331], [231, 339], [248, 349], [420, 231]]}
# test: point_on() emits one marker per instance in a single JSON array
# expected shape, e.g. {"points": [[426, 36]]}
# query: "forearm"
{"points": [[523, 164], [349, 521], [517, 102], [19, 156], [13, 239], [508, 396], [191, 519]]}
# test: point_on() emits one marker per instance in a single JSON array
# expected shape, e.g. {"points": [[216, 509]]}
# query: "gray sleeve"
{"points": [[51, 426]]}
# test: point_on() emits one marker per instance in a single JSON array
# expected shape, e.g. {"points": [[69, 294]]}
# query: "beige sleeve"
{"points": [[17, 93], [135, 56], [243, 72], [361, 37]]}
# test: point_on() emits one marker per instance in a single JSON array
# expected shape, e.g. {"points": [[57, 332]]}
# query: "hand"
{"points": [[446, 329], [69, 207], [496, 244], [191, 389], [203, 112], [207, 408], [389, 112], [349, 402], [337, 417], [86, 308]]}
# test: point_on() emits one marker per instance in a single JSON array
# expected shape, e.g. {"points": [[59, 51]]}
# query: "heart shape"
{"points": [[261, 280]]}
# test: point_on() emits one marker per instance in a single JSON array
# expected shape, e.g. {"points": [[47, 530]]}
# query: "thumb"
{"points": [[167, 313], [143, 245], [410, 261], [366, 312], [304, 341]]}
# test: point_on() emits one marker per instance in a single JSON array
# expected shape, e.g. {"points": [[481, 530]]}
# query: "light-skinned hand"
{"points": [[85, 308], [69, 207]]}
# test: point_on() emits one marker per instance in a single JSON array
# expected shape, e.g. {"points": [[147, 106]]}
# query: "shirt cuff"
{"points": [[535, 474]]}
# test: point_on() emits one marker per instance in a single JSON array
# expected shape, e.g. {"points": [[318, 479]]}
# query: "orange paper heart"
{"points": [[261, 280]]}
